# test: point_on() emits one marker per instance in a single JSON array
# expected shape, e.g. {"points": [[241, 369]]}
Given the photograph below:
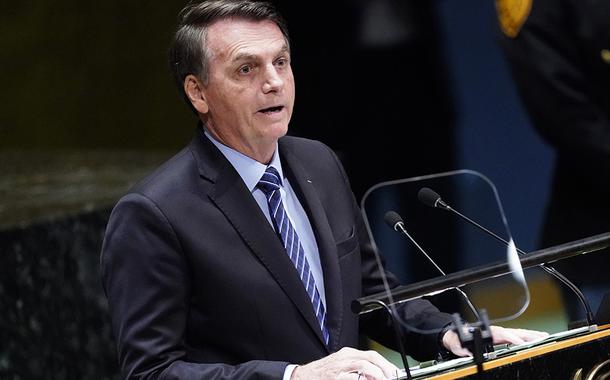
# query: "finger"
{"points": [[389, 369], [506, 335], [529, 335], [362, 368], [451, 341], [502, 335], [351, 375], [461, 351], [371, 372], [373, 357], [370, 355], [453, 344]]}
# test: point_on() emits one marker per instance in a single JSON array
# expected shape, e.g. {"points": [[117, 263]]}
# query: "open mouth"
{"points": [[271, 110]]}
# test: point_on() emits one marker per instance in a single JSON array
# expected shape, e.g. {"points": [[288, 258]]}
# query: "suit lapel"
{"points": [[232, 197], [309, 199]]}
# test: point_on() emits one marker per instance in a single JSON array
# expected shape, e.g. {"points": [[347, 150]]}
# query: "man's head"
{"points": [[231, 61], [189, 51]]}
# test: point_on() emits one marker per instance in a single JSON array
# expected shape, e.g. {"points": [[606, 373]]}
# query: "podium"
{"points": [[580, 358], [584, 357]]}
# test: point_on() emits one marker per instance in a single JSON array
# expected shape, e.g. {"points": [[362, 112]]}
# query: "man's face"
{"points": [[250, 89]]}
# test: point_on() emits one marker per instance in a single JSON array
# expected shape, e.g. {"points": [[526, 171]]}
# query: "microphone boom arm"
{"points": [[547, 268], [431, 198]]}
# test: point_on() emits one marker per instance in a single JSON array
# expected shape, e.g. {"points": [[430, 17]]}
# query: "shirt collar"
{"points": [[248, 168]]}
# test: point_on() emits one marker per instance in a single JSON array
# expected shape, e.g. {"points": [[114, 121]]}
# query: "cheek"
{"points": [[231, 107], [290, 88], [231, 95], [290, 80]]}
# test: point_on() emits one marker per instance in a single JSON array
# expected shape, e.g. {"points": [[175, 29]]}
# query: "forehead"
{"points": [[231, 37]]}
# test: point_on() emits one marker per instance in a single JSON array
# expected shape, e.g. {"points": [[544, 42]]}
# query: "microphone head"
{"points": [[428, 197], [392, 219]]}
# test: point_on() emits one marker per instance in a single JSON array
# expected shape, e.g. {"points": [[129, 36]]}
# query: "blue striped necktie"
{"points": [[270, 184]]}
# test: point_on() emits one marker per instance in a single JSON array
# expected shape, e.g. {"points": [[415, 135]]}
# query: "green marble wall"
{"points": [[54, 322]]}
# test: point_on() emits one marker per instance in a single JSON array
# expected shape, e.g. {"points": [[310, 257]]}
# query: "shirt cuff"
{"points": [[288, 371]]}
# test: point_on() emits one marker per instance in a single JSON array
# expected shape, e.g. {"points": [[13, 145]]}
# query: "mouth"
{"points": [[271, 110]]}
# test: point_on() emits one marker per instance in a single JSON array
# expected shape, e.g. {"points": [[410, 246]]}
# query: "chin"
{"points": [[276, 131]]}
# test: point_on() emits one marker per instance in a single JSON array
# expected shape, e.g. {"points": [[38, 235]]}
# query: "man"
{"points": [[239, 257], [559, 54]]}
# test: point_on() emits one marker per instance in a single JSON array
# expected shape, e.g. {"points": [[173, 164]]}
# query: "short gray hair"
{"points": [[188, 52]]}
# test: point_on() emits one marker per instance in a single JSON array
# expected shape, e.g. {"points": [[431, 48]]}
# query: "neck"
{"points": [[262, 151], [263, 156]]}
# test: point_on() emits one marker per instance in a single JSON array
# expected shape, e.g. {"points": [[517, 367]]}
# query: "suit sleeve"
{"points": [[146, 280], [418, 313], [549, 63]]}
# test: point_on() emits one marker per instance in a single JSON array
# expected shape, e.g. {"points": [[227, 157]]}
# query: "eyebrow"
{"points": [[251, 57]]}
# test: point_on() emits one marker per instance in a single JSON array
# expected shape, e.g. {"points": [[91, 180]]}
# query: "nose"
{"points": [[273, 81]]}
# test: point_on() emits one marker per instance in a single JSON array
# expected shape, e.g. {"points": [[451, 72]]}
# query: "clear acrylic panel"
{"points": [[448, 239]]}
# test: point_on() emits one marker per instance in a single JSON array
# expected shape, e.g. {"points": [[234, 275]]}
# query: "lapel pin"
{"points": [[309, 181]]}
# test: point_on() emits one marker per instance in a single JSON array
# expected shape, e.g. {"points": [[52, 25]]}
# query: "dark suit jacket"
{"points": [[200, 286]]}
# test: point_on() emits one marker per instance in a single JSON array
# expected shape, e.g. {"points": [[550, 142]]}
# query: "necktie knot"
{"points": [[270, 181]]}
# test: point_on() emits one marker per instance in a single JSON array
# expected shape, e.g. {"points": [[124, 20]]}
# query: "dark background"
{"points": [[397, 88], [410, 87]]}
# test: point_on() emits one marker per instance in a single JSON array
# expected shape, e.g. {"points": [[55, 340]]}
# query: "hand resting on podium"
{"points": [[352, 364]]}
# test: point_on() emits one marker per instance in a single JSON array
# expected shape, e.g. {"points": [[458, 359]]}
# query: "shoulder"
{"points": [[170, 177], [318, 161], [151, 197], [300, 145], [308, 152], [316, 157]]}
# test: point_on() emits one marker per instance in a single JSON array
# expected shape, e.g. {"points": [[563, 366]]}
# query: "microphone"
{"points": [[431, 198], [394, 220]]}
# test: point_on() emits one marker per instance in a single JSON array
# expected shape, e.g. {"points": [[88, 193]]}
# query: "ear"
{"points": [[194, 90]]}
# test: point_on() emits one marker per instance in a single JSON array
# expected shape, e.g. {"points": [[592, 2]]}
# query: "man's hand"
{"points": [[347, 364], [500, 335]]}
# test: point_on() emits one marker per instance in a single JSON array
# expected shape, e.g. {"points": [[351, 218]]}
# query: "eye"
{"points": [[245, 69], [281, 62]]}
